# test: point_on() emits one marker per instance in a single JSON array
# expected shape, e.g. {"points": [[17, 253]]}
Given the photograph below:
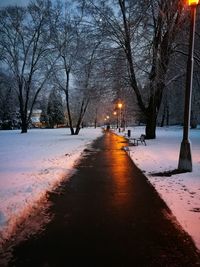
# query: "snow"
{"points": [[181, 192], [32, 164]]}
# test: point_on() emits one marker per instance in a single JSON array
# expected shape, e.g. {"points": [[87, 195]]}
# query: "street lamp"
{"points": [[116, 114], [193, 2], [107, 120], [119, 105], [185, 157]]}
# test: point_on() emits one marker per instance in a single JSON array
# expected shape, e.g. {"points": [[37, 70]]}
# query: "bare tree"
{"points": [[8, 104], [55, 111], [176, 76], [86, 77], [24, 45], [146, 31], [76, 46], [66, 41]]}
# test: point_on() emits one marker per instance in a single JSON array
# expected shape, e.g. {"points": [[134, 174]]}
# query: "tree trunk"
{"points": [[67, 102], [71, 128], [23, 114], [151, 127], [95, 120], [151, 117], [163, 119], [83, 109], [78, 125], [24, 126], [164, 115], [193, 121], [167, 123], [77, 130]]}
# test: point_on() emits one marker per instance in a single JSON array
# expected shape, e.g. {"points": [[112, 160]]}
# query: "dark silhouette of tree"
{"points": [[55, 111], [25, 51], [76, 46], [8, 105], [146, 31]]}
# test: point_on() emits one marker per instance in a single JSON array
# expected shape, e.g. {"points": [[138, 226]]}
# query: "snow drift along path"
{"points": [[181, 192], [33, 163]]}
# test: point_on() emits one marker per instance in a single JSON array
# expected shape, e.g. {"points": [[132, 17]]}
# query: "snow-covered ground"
{"points": [[181, 192], [33, 163]]}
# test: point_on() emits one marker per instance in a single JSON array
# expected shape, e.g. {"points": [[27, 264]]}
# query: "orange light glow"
{"points": [[114, 113], [193, 2], [117, 159], [119, 105]]}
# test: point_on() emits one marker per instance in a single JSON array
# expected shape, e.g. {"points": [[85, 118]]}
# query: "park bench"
{"points": [[136, 141]]}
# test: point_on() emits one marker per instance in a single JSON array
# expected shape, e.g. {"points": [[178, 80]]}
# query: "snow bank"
{"points": [[33, 163]]}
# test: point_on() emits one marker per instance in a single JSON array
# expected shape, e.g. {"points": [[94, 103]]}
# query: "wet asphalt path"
{"points": [[107, 214]]}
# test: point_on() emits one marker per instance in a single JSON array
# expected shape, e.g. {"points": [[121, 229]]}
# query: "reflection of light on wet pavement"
{"points": [[119, 172]]}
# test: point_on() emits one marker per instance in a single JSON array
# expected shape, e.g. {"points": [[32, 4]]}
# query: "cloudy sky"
{"points": [[13, 2]]}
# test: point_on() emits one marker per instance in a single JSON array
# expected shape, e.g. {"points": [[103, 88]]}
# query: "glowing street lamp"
{"points": [[107, 122], [185, 157], [115, 113], [119, 105], [193, 2]]}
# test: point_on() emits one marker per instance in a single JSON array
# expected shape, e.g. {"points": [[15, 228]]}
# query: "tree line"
{"points": [[94, 52]]}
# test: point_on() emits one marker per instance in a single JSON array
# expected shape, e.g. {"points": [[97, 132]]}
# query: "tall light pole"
{"points": [[116, 114], [185, 157], [120, 114]]}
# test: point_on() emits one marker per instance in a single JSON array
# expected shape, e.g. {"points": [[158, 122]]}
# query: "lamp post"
{"points": [[185, 157], [120, 114], [115, 114], [108, 122]]}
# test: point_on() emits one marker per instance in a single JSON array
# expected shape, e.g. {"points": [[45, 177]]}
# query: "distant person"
{"points": [[108, 127]]}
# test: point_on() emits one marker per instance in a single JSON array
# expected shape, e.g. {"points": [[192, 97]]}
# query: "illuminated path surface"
{"points": [[107, 214]]}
